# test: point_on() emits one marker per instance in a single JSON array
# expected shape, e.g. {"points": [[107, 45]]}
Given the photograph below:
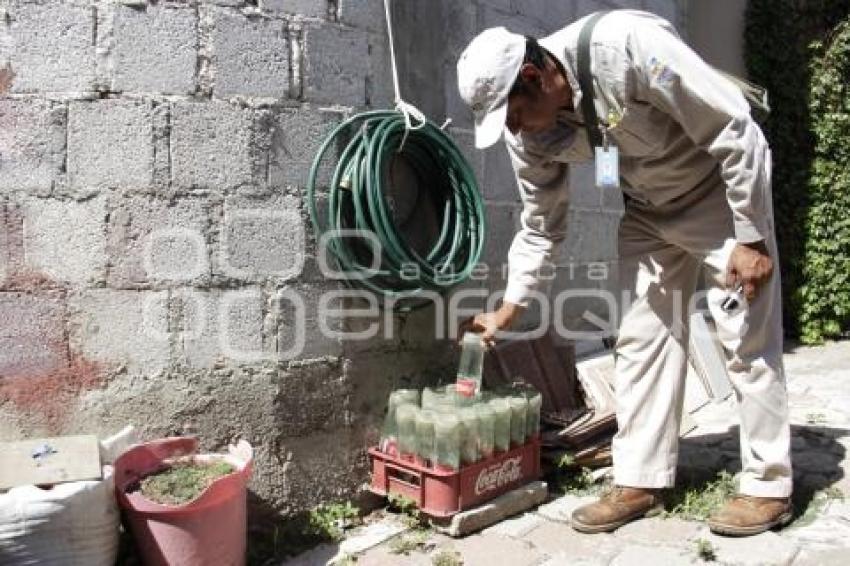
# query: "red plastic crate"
{"points": [[442, 493]]}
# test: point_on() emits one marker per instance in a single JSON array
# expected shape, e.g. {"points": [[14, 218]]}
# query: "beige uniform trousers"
{"points": [[663, 250]]}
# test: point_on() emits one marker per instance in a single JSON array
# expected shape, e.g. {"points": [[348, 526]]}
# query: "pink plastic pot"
{"points": [[209, 530]]}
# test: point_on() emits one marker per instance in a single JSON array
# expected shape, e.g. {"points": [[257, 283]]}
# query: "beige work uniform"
{"points": [[696, 171]]}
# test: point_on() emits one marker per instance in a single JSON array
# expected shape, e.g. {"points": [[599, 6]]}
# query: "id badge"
{"points": [[607, 167]]}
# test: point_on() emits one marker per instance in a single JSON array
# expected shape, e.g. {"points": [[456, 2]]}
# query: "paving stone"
{"points": [[655, 555], [758, 550], [824, 531], [516, 527], [371, 535], [828, 557], [670, 532], [480, 550], [553, 537], [562, 508]]}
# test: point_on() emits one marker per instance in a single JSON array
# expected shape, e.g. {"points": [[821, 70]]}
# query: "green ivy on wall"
{"points": [[792, 47], [825, 293]]}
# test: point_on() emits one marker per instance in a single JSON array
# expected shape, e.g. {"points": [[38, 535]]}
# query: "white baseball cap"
{"points": [[486, 71]]}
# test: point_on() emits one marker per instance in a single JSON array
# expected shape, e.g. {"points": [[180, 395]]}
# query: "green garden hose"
{"points": [[356, 212]]}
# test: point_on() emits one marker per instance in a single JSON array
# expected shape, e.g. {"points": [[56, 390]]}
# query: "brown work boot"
{"points": [[615, 509], [745, 515]]}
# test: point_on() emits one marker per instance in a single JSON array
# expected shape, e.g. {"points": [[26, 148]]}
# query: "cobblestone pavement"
{"points": [[818, 379]]}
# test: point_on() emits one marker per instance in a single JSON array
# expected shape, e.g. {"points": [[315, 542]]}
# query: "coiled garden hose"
{"points": [[359, 215]]}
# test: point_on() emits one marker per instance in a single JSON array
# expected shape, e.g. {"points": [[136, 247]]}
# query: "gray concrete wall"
{"points": [[716, 31], [156, 261]]}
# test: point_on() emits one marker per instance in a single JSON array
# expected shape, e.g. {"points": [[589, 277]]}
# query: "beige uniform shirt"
{"points": [[679, 124]]}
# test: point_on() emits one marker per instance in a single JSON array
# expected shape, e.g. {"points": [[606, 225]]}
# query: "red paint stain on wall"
{"points": [[50, 396]]}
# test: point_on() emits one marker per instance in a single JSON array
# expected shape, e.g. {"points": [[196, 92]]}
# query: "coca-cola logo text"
{"points": [[498, 475]]}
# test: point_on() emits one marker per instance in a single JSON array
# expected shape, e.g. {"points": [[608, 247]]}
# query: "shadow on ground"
{"points": [[816, 457]]}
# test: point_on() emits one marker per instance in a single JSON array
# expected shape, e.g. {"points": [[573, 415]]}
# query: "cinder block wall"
{"points": [[156, 262]]}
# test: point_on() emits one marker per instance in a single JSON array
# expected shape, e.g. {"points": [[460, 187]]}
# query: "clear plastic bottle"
{"points": [[469, 435], [501, 424], [532, 417], [425, 436], [486, 429], [470, 366], [406, 422], [389, 432], [519, 409], [447, 428]]}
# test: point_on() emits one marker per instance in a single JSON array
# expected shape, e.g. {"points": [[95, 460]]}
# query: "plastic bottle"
{"points": [[425, 439], [532, 417], [389, 432], [469, 435], [501, 424], [486, 428], [406, 422], [447, 429], [471, 365], [519, 409]]}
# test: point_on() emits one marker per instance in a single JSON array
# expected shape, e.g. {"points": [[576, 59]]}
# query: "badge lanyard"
{"points": [[605, 153]]}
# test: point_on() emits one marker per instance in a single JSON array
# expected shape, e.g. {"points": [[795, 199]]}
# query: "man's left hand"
{"points": [[751, 266]]}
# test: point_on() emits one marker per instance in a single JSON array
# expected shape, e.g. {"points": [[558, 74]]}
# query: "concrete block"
{"points": [[517, 23], [32, 135], [32, 337], [250, 56], [154, 240], [66, 240], [506, 505], [591, 235], [262, 238], [312, 398], [503, 222], [552, 16], [304, 329], [335, 65], [667, 9], [366, 14], [295, 139], [154, 49], [500, 183], [583, 190], [127, 328], [49, 45], [110, 144], [380, 92], [306, 8], [465, 140], [220, 326], [214, 146]]}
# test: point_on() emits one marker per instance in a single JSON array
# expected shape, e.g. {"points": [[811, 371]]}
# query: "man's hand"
{"points": [[751, 266], [489, 323]]}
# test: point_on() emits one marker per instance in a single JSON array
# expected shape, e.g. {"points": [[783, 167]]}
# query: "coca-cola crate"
{"points": [[441, 493]]}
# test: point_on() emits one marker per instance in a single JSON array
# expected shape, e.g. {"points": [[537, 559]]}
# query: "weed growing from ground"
{"points": [[447, 558], [328, 521], [698, 502], [705, 550]]}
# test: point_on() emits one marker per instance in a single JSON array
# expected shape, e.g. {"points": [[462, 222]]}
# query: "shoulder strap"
{"points": [[585, 81]]}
